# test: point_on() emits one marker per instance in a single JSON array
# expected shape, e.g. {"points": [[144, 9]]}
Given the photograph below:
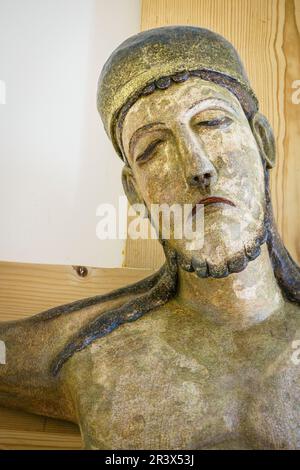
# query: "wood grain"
{"points": [[26, 289], [266, 34]]}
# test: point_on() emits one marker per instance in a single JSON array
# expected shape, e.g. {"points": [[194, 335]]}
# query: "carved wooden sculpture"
{"points": [[199, 355]]}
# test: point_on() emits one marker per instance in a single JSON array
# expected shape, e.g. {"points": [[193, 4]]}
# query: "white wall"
{"points": [[56, 162]]}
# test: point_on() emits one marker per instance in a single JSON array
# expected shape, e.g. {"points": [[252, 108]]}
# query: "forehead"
{"points": [[174, 102]]}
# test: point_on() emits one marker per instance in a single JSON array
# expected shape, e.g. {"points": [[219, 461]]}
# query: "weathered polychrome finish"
{"points": [[201, 355]]}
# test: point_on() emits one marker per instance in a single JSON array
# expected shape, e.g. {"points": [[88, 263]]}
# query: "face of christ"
{"points": [[192, 144]]}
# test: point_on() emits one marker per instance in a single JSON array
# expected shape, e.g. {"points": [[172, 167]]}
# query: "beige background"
{"points": [[57, 164]]}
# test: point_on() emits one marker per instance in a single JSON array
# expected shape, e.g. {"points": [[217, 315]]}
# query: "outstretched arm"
{"points": [[30, 347]]}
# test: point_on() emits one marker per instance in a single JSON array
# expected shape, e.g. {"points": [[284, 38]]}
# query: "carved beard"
{"points": [[235, 263]]}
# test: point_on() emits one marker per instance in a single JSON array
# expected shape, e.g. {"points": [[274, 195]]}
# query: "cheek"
{"points": [[161, 179], [238, 162]]}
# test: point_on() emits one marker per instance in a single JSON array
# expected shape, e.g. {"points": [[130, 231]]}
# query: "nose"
{"points": [[202, 180], [200, 171]]}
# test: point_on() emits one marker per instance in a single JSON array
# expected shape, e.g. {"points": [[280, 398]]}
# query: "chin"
{"points": [[227, 248]]}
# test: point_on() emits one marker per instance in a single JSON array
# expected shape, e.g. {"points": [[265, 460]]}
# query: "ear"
{"points": [[264, 137], [130, 187]]}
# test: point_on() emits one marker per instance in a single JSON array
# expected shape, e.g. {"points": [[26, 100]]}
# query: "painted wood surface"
{"points": [[266, 34]]}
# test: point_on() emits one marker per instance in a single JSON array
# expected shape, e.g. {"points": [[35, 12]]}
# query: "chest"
{"points": [[164, 398]]}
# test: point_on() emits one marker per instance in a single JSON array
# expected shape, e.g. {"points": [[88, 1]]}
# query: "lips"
{"points": [[206, 201]]}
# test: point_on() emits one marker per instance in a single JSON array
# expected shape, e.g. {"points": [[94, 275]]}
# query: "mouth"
{"points": [[206, 201]]}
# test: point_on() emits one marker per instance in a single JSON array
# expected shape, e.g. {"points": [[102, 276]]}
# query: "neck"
{"points": [[239, 300]]}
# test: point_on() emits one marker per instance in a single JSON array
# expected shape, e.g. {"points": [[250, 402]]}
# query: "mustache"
{"points": [[206, 201]]}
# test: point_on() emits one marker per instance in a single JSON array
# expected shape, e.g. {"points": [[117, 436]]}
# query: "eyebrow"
{"points": [[139, 131], [135, 136], [223, 103]]}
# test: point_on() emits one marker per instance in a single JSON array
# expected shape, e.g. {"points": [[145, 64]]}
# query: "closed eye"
{"points": [[215, 123], [149, 152]]}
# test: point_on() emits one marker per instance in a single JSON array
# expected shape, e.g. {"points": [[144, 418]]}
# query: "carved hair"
{"points": [[159, 288]]}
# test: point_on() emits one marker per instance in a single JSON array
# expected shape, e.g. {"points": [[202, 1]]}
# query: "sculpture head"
{"points": [[193, 143], [190, 137]]}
